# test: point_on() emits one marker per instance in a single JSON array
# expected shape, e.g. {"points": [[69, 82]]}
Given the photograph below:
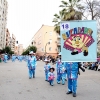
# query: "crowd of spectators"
{"points": [[52, 59], [92, 65]]}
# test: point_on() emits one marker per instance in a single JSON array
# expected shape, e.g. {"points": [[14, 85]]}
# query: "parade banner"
{"points": [[79, 41]]}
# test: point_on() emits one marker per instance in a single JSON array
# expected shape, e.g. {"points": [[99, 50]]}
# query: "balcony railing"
{"points": [[58, 43]]}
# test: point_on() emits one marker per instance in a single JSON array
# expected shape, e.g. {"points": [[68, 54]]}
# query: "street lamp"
{"points": [[46, 46]]}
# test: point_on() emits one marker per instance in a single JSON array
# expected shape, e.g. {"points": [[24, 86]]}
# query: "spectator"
{"points": [[96, 66], [53, 60], [99, 66], [93, 65]]}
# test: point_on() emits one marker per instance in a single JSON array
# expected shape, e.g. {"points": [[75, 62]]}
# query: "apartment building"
{"points": [[13, 42], [46, 40], [30, 43], [20, 49], [3, 22], [16, 50], [8, 38]]}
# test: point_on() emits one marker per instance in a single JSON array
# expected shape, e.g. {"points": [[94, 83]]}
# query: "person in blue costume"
{"points": [[31, 63], [58, 68], [46, 69], [60, 73], [72, 75], [26, 57], [13, 58], [5, 58], [63, 73], [51, 76], [20, 58]]}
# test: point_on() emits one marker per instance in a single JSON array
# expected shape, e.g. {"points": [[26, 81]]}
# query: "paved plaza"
{"points": [[16, 85]]}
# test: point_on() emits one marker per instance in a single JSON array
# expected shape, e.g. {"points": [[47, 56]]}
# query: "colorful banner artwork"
{"points": [[79, 41]]}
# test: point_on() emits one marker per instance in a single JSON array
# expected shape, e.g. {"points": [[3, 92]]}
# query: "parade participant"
{"points": [[98, 66], [26, 57], [58, 68], [51, 76], [72, 75], [31, 64], [46, 69], [63, 73], [20, 58], [13, 58], [5, 58]]}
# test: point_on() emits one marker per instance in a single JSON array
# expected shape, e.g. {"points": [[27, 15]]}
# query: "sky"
{"points": [[25, 17]]}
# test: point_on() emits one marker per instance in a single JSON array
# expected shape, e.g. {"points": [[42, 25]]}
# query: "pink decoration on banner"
{"points": [[69, 41]]}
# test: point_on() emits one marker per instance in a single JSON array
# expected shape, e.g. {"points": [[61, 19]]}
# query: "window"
{"points": [[50, 48], [50, 40], [50, 33]]}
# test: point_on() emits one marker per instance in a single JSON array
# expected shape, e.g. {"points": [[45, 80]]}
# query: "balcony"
{"points": [[58, 43]]}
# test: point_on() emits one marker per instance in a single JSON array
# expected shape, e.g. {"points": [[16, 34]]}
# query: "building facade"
{"points": [[3, 22], [59, 42], [46, 40], [20, 49], [30, 43], [13, 42], [8, 38]]}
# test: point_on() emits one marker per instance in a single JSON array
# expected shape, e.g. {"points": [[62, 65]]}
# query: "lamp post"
{"points": [[17, 48], [46, 46]]}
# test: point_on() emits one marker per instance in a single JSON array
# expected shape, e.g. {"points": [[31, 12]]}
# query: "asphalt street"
{"points": [[16, 85]]}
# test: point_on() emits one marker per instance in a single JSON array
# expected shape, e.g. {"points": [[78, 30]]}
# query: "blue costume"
{"points": [[58, 68], [26, 58], [5, 58], [51, 78], [13, 58], [72, 75], [63, 73], [31, 63], [46, 69], [20, 58]]}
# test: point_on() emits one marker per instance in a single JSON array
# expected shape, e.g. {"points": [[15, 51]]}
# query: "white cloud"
{"points": [[25, 17]]}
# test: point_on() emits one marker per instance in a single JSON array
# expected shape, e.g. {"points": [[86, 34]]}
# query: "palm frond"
{"points": [[64, 3], [57, 16], [69, 15], [70, 1], [61, 6], [57, 29], [55, 20]]}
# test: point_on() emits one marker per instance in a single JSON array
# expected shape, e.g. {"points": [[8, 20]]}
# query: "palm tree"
{"points": [[57, 20], [70, 11]]}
